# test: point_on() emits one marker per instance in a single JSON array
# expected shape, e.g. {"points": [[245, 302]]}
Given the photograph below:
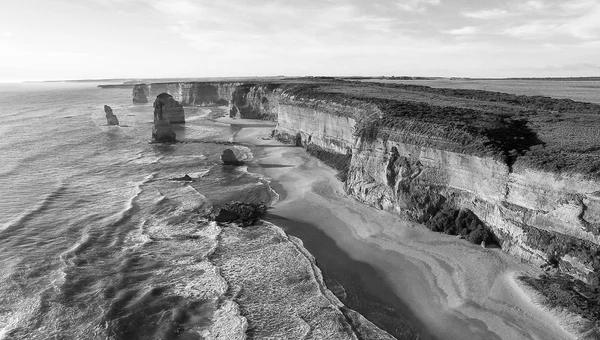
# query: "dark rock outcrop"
{"points": [[228, 158], [140, 94], [162, 131], [185, 178], [172, 109], [111, 119], [245, 214]]}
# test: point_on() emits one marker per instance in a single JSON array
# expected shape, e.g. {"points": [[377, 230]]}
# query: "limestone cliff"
{"points": [[423, 152], [111, 119], [162, 131], [254, 101]]}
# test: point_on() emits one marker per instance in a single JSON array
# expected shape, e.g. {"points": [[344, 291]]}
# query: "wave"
{"points": [[42, 206], [144, 158]]}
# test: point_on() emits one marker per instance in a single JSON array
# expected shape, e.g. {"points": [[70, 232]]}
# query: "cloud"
{"points": [[416, 5], [487, 14], [575, 19], [180, 7], [467, 30], [533, 30], [7, 34], [586, 26], [531, 5]]}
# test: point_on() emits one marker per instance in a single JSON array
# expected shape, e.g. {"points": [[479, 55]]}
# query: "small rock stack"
{"points": [[111, 119], [140, 94]]}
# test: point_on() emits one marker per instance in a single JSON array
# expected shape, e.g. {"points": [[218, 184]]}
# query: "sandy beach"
{"points": [[456, 290]]}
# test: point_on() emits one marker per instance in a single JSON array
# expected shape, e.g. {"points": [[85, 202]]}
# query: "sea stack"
{"points": [[140, 94], [162, 131], [172, 109], [111, 119], [228, 158]]}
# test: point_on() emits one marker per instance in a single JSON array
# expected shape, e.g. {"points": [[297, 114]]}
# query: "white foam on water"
{"points": [[199, 174], [146, 158]]}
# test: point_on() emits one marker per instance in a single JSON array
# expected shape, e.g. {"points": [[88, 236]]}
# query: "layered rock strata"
{"points": [[421, 152], [162, 131], [111, 119], [252, 101]]}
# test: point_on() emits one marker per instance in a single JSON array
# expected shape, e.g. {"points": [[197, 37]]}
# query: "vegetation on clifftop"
{"points": [[554, 135]]}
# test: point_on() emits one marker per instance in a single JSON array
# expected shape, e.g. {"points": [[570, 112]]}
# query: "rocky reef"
{"points": [[111, 119], [522, 172], [162, 131], [245, 214], [140, 94]]}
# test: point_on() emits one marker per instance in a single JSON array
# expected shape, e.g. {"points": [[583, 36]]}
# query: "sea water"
{"points": [[87, 211]]}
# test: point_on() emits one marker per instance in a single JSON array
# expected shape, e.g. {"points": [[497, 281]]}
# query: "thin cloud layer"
{"points": [[152, 38]]}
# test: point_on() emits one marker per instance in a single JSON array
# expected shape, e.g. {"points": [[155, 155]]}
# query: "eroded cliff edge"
{"points": [[527, 167]]}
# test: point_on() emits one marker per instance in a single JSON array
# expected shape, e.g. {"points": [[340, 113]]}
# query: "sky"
{"points": [[99, 39]]}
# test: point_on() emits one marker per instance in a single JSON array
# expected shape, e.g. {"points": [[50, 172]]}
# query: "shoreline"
{"points": [[356, 284], [456, 289]]}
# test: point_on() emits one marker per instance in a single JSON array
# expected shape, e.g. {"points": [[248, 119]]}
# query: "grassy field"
{"points": [[585, 91]]}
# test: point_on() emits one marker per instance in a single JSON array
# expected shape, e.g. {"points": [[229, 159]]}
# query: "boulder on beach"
{"points": [[140, 94], [228, 158], [245, 214], [162, 131], [111, 119]]}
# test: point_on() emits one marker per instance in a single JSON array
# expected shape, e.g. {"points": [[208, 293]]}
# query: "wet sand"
{"points": [[455, 289]]}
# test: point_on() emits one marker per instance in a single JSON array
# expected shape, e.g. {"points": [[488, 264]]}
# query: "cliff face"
{"points": [[253, 101], [408, 161], [539, 217]]}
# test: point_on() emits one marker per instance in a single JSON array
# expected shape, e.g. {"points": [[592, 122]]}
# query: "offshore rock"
{"points": [[239, 212], [228, 158], [140, 94], [162, 131], [172, 109], [111, 119]]}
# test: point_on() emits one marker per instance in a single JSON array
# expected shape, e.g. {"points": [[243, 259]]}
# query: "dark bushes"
{"points": [[479, 235], [460, 222]]}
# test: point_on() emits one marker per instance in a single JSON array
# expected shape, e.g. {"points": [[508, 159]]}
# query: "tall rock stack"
{"points": [[111, 119], [172, 109], [140, 94], [162, 131]]}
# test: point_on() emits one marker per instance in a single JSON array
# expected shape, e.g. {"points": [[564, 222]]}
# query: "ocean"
{"points": [[89, 212]]}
